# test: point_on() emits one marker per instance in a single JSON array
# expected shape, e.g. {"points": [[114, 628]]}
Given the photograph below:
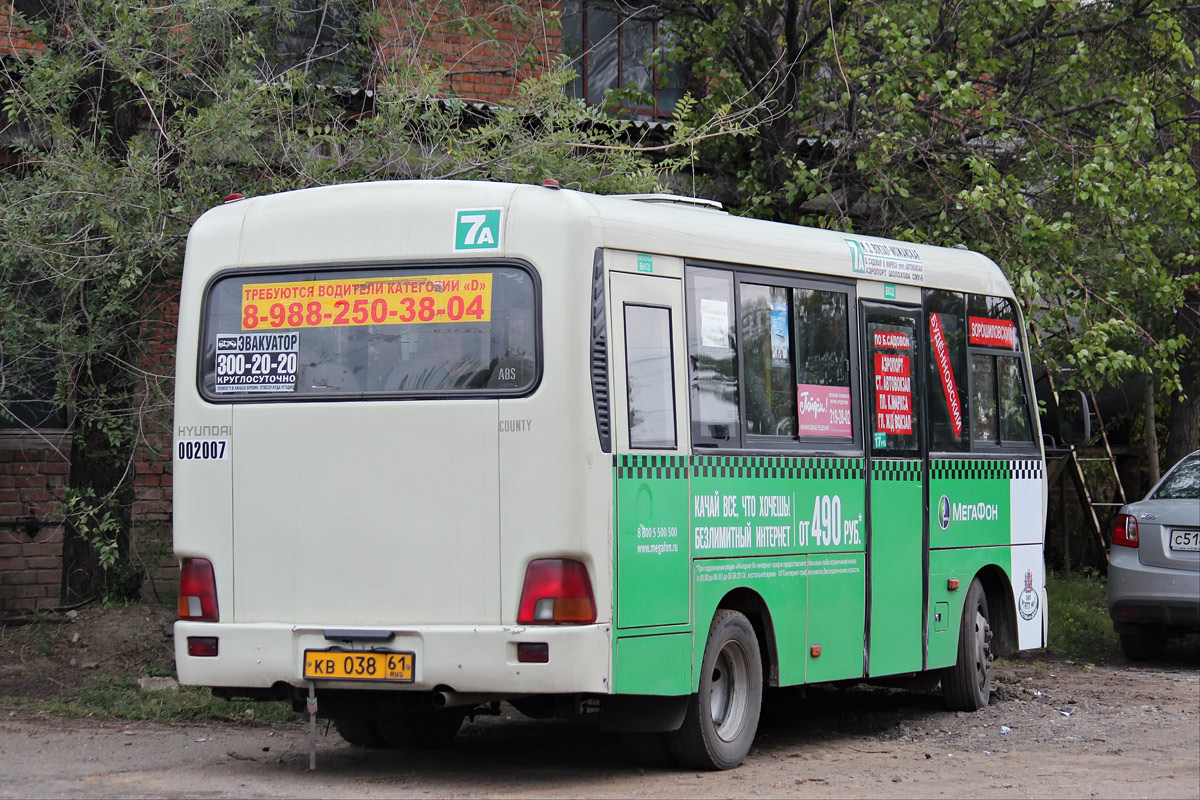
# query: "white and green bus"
{"points": [[442, 444]]}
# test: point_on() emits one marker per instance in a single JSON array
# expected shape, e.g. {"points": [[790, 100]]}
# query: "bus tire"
{"points": [[426, 729], [359, 732], [722, 717], [967, 686]]}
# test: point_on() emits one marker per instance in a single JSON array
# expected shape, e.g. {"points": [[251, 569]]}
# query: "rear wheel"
{"points": [[421, 729], [1144, 643], [967, 686], [722, 717], [359, 732]]}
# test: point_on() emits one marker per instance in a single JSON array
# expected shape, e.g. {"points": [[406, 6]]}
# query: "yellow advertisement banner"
{"points": [[410, 299]]}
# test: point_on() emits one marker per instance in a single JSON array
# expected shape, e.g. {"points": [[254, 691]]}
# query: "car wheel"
{"points": [[722, 717], [967, 686], [1143, 643]]}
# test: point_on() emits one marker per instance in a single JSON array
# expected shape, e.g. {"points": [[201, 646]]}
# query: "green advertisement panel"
{"points": [[653, 575], [761, 506], [782, 582], [961, 565], [969, 503], [660, 664], [817, 605], [689, 530], [897, 567], [836, 609]]}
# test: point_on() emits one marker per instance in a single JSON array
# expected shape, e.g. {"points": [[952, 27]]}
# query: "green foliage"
{"points": [[129, 121], [124, 700], [1058, 137], [1080, 627]]}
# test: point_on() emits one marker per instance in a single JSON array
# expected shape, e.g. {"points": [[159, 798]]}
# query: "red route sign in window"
{"points": [[893, 392], [993, 332], [941, 356]]}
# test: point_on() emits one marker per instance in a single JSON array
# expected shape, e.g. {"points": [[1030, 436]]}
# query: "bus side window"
{"points": [[999, 397], [712, 358], [823, 389], [767, 361], [650, 376], [946, 356], [1014, 411], [983, 398]]}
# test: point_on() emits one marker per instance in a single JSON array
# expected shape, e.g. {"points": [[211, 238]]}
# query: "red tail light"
{"points": [[1125, 533], [556, 590], [197, 591]]}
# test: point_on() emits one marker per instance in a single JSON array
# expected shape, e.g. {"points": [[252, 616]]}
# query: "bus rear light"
{"points": [[197, 591], [1125, 533], [203, 646], [557, 590]]}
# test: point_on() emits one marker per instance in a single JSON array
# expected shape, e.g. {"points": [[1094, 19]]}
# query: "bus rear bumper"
{"points": [[473, 658]]}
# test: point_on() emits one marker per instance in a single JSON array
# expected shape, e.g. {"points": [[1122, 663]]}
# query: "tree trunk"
{"points": [[1184, 428], [1151, 432]]}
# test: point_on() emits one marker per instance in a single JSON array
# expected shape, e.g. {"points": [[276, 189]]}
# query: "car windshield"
{"points": [[1183, 483]]}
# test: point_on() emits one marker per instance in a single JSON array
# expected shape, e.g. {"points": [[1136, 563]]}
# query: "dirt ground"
{"points": [[1054, 728]]}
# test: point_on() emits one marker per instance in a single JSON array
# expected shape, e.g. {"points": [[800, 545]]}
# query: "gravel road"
{"points": [[1054, 729]]}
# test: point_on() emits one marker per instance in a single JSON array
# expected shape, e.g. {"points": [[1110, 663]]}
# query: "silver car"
{"points": [[1154, 563]]}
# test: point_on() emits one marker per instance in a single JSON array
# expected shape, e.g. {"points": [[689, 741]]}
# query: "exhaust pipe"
{"points": [[452, 699]]}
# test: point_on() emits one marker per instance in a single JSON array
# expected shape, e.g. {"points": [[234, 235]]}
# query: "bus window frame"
{"points": [[1019, 351], [625, 306], [763, 444], [441, 265], [920, 449]]}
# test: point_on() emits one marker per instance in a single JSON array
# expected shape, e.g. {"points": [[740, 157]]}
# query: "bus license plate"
{"points": [[1185, 539], [358, 665]]}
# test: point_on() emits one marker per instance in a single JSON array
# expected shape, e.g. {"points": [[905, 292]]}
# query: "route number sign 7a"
{"points": [[477, 229]]}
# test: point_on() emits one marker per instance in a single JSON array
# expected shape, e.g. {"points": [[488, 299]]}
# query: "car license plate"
{"points": [[1185, 539], [358, 665]]}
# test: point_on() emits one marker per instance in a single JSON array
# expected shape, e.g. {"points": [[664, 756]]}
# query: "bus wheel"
{"points": [[425, 729], [722, 717], [967, 686], [359, 732]]}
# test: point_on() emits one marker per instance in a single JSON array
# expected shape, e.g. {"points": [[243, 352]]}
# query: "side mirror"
{"points": [[1074, 417]]}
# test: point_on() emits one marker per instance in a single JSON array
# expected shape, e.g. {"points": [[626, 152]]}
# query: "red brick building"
{"points": [[35, 456]]}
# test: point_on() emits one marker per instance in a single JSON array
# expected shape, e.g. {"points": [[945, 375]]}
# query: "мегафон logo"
{"points": [[944, 512]]}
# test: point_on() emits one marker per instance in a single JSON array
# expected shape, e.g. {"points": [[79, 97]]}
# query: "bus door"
{"points": [[896, 543], [651, 442]]}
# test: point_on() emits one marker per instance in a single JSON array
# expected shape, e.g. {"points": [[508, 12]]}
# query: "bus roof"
{"points": [[314, 226]]}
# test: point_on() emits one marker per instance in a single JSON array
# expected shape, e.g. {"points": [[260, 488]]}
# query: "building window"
{"points": [[615, 50], [319, 38]]}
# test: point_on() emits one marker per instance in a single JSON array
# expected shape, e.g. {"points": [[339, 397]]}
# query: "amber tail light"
{"points": [[556, 591], [197, 591]]}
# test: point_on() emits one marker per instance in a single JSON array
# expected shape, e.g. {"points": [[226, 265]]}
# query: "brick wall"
{"points": [[150, 539], [34, 471], [33, 475], [13, 33], [417, 33]]}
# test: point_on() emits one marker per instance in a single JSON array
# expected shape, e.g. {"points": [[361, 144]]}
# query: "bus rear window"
{"points": [[461, 330]]}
